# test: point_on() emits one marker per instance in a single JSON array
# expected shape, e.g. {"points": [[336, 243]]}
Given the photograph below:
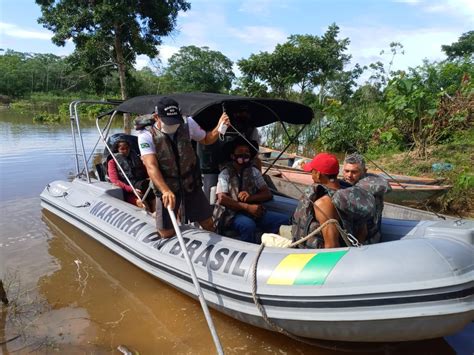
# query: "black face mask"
{"points": [[242, 159]]}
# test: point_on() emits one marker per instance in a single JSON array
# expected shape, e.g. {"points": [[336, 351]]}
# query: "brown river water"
{"points": [[70, 295]]}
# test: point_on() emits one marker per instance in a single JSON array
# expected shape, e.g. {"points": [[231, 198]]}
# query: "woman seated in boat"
{"points": [[134, 169], [240, 193], [325, 200]]}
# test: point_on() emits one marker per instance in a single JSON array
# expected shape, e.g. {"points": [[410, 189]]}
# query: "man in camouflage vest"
{"points": [[315, 206], [240, 193], [355, 173], [171, 163]]}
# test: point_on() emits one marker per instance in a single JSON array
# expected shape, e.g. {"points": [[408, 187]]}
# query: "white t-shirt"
{"points": [[147, 146]]}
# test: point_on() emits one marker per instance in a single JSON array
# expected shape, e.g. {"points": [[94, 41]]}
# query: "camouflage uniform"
{"points": [[378, 187], [354, 205]]}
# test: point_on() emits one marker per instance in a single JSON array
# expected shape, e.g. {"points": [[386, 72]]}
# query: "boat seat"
{"points": [[99, 168]]}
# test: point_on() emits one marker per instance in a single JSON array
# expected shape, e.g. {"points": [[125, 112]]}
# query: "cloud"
{"points": [[410, 2], [262, 8], [459, 8], [141, 62], [266, 37], [11, 30], [256, 7], [418, 44]]}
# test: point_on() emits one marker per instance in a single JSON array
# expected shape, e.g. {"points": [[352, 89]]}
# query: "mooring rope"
{"points": [[276, 327], [64, 195]]}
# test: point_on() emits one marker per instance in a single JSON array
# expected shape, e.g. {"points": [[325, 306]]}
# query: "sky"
{"points": [[241, 28]]}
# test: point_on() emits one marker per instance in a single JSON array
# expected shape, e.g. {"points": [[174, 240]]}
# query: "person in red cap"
{"points": [[316, 207]]}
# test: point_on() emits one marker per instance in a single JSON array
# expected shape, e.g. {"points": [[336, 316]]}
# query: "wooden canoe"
{"points": [[293, 183]]}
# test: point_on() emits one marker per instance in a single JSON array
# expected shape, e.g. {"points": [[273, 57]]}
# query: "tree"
{"points": [[464, 47], [114, 33], [431, 102], [198, 69], [304, 61], [310, 63]]}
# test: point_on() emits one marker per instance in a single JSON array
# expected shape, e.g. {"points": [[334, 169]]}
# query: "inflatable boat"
{"points": [[418, 283]]}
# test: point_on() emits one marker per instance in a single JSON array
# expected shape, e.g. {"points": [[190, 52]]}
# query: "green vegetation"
{"points": [[109, 37], [458, 152], [406, 119]]}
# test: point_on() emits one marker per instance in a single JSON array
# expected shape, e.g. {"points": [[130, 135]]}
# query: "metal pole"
{"points": [[76, 113], [72, 119], [196, 283]]}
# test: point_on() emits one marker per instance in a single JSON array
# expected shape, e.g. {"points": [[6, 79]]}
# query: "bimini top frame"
{"points": [[77, 135], [205, 108]]}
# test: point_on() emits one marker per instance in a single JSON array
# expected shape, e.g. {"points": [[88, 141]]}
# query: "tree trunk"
{"points": [[121, 71]]}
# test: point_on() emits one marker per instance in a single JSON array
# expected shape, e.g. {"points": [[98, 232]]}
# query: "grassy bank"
{"points": [[459, 154], [50, 108]]}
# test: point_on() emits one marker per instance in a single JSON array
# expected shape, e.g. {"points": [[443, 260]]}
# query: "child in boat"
{"points": [[134, 170]]}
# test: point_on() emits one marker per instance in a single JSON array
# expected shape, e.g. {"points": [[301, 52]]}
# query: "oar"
{"points": [[196, 283]]}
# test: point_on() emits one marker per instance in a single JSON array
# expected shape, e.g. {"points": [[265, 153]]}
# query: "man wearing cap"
{"points": [[240, 193], [324, 169], [171, 163]]}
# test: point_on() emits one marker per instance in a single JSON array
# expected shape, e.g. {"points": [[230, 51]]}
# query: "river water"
{"points": [[69, 294]]}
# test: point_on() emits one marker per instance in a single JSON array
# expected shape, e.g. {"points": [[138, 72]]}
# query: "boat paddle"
{"points": [[196, 283]]}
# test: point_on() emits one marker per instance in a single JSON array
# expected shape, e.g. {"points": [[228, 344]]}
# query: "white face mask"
{"points": [[169, 129]]}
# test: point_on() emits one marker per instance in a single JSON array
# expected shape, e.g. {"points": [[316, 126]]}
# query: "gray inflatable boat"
{"points": [[418, 283]]}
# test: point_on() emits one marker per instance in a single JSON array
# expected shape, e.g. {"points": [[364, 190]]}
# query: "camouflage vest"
{"points": [[304, 221], [132, 166], [355, 206], [378, 187], [177, 159], [244, 182]]}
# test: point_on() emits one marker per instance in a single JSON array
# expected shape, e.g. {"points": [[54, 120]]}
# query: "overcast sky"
{"points": [[240, 28]]}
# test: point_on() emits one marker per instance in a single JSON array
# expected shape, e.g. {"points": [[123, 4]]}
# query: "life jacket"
{"points": [[177, 159], [222, 215], [132, 166], [354, 205], [378, 187], [304, 221]]}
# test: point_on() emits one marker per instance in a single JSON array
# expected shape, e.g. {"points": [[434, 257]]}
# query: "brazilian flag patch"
{"points": [[144, 145]]}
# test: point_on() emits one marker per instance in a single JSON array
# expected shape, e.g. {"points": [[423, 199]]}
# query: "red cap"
{"points": [[325, 163]]}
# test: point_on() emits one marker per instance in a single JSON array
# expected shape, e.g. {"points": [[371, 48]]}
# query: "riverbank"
{"points": [[455, 160], [457, 153], [55, 109]]}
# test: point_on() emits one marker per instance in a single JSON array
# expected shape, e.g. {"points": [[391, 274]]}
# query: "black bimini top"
{"points": [[206, 108]]}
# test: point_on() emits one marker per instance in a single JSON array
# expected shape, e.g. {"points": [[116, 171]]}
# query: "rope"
{"points": [[321, 343], [64, 195], [347, 237]]}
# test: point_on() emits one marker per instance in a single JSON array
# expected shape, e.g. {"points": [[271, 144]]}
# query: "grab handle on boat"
{"points": [[196, 283]]}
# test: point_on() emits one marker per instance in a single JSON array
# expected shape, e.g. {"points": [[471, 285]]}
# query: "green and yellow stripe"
{"points": [[305, 269]]}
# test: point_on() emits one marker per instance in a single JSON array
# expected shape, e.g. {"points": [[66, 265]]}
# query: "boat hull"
{"points": [[292, 183], [371, 294]]}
